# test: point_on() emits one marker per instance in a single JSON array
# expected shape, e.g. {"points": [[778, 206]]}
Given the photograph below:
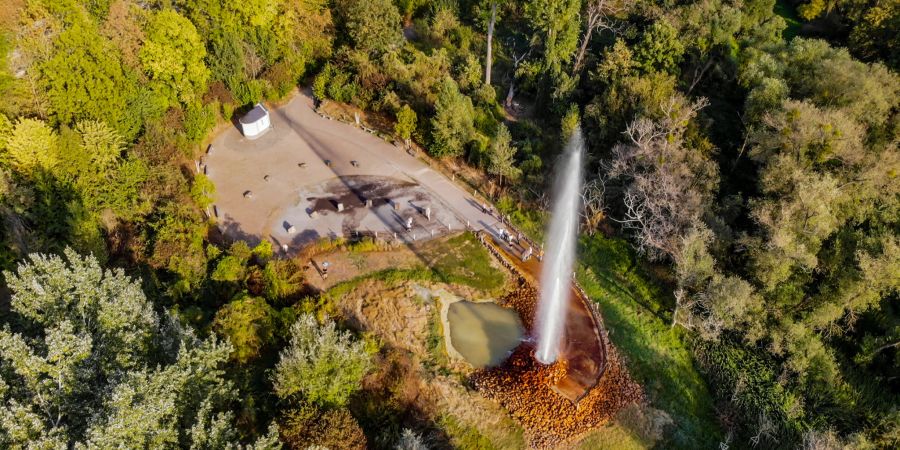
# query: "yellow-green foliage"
{"points": [[230, 269], [283, 279], [263, 251], [249, 323], [364, 245], [321, 364]]}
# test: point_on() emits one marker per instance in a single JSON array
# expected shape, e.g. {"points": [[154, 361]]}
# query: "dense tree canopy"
{"points": [[746, 149], [89, 363], [173, 57]]}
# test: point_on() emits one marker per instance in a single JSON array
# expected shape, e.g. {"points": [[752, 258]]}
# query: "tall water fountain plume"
{"points": [[559, 255]]}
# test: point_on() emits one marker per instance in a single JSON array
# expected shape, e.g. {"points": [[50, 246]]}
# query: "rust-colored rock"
{"points": [[529, 391]]}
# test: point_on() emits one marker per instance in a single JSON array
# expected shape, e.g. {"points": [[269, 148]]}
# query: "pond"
{"points": [[483, 333]]}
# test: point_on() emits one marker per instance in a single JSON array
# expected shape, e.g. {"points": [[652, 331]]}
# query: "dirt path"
{"points": [[346, 265]]}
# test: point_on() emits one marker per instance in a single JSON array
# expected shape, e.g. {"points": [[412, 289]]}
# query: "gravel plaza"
{"points": [[309, 177]]}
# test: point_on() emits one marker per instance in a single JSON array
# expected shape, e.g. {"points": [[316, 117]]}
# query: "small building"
{"points": [[255, 122]]}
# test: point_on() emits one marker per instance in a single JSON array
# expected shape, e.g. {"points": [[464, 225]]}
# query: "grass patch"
{"points": [[463, 260], [529, 221], [657, 355], [787, 12], [437, 361], [462, 436], [326, 303], [613, 436]]}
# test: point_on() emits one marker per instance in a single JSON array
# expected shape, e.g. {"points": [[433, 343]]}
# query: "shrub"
{"points": [[249, 92], [306, 425], [750, 381], [203, 191], [341, 88], [321, 363], [249, 324], [281, 79], [283, 280], [263, 251], [227, 110], [198, 120], [409, 440], [230, 269], [485, 121], [322, 81], [486, 95]]}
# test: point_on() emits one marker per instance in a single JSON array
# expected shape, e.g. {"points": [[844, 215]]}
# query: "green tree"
{"points": [[233, 267], [86, 362], [323, 364], [875, 26], [283, 280], [659, 49], [556, 24], [177, 245], [828, 77], [86, 79], [452, 126], [105, 177], [501, 159], [173, 57], [199, 119], [371, 25], [203, 191], [406, 124], [249, 324]]}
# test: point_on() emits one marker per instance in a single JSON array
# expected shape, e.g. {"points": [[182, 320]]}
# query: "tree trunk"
{"points": [[885, 347], [511, 92], [579, 59], [699, 72], [489, 60]]}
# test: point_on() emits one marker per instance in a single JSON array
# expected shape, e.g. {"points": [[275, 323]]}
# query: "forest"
{"points": [[741, 207]]}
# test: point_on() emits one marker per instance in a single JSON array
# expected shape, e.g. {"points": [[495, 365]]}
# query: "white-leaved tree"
{"points": [[321, 363], [86, 362], [667, 183]]}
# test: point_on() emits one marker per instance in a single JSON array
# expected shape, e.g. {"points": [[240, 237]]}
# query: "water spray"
{"points": [[559, 259]]}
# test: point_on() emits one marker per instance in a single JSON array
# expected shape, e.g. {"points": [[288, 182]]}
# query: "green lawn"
{"points": [[463, 260], [657, 356]]}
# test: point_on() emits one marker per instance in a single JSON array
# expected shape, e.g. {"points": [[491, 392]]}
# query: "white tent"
{"points": [[255, 122]]}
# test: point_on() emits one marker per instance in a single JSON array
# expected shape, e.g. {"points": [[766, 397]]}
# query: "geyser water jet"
{"points": [[559, 256]]}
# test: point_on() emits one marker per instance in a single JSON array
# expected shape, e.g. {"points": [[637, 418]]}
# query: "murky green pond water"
{"points": [[484, 333]]}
